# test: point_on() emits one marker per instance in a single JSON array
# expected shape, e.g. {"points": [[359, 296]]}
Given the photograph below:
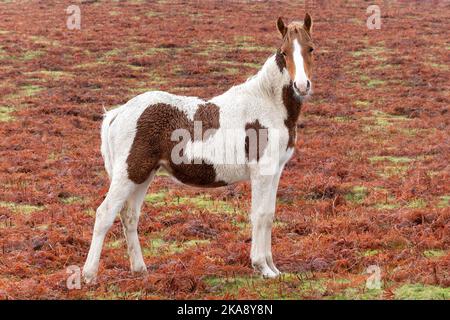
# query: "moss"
{"points": [[422, 292], [20, 208]]}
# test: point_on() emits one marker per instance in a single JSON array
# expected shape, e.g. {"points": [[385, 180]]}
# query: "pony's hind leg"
{"points": [[130, 220], [119, 191]]}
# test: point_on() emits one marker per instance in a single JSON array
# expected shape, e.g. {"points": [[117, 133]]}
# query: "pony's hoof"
{"points": [[264, 269], [89, 277], [269, 274], [139, 271]]}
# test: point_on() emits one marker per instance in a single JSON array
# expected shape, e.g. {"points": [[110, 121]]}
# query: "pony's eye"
{"points": [[311, 49], [283, 53]]}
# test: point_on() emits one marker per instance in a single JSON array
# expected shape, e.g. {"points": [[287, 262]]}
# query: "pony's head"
{"points": [[297, 51]]}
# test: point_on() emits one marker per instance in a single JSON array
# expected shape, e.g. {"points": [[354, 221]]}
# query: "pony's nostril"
{"points": [[308, 85], [295, 85]]}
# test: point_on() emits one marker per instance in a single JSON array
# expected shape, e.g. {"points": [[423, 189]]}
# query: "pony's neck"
{"points": [[269, 81], [267, 84]]}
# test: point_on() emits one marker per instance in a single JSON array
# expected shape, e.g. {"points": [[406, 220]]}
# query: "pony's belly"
{"points": [[232, 173], [206, 175]]}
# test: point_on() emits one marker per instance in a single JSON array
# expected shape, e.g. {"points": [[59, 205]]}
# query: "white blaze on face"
{"points": [[301, 80]]}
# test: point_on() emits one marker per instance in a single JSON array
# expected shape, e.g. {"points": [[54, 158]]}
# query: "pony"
{"points": [[259, 115]]}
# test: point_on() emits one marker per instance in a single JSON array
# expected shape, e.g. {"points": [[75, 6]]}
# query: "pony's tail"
{"points": [[107, 153]]}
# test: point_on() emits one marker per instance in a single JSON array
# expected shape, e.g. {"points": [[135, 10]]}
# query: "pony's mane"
{"points": [[262, 82]]}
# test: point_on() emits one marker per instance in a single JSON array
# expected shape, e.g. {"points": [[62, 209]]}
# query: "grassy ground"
{"points": [[368, 184]]}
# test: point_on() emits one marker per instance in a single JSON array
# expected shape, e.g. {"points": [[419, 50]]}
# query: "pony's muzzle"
{"points": [[302, 88]]}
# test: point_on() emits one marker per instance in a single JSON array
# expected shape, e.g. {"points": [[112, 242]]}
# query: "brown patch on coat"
{"points": [[279, 59], [152, 145], [255, 128], [209, 115], [293, 104]]}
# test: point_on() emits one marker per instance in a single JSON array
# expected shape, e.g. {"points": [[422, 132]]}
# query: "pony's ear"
{"points": [[308, 23], [281, 26]]}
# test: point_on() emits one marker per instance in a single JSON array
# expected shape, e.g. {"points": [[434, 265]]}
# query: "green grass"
{"points": [[394, 165], [422, 292], [444, 202], [381, 120], [361, 293], [72, 200], [89, 212], [288, 286], [115, 244], [200, 202], [375, 52], [390, 159], [5, 114], [370, 253], [3, 54], [25, 91], [362, 103], [158, 246], [434, 253], [56, 74], [30, 55], [387, 206], [30, 90], [417, 204], [156, 197], [20, 208], [357, 194]]}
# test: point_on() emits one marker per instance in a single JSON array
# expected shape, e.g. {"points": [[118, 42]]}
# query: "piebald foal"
{"points": [[137, 139]]}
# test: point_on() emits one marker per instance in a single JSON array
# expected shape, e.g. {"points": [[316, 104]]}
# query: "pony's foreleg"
{"points": [[262, 214], [273, 201]]}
